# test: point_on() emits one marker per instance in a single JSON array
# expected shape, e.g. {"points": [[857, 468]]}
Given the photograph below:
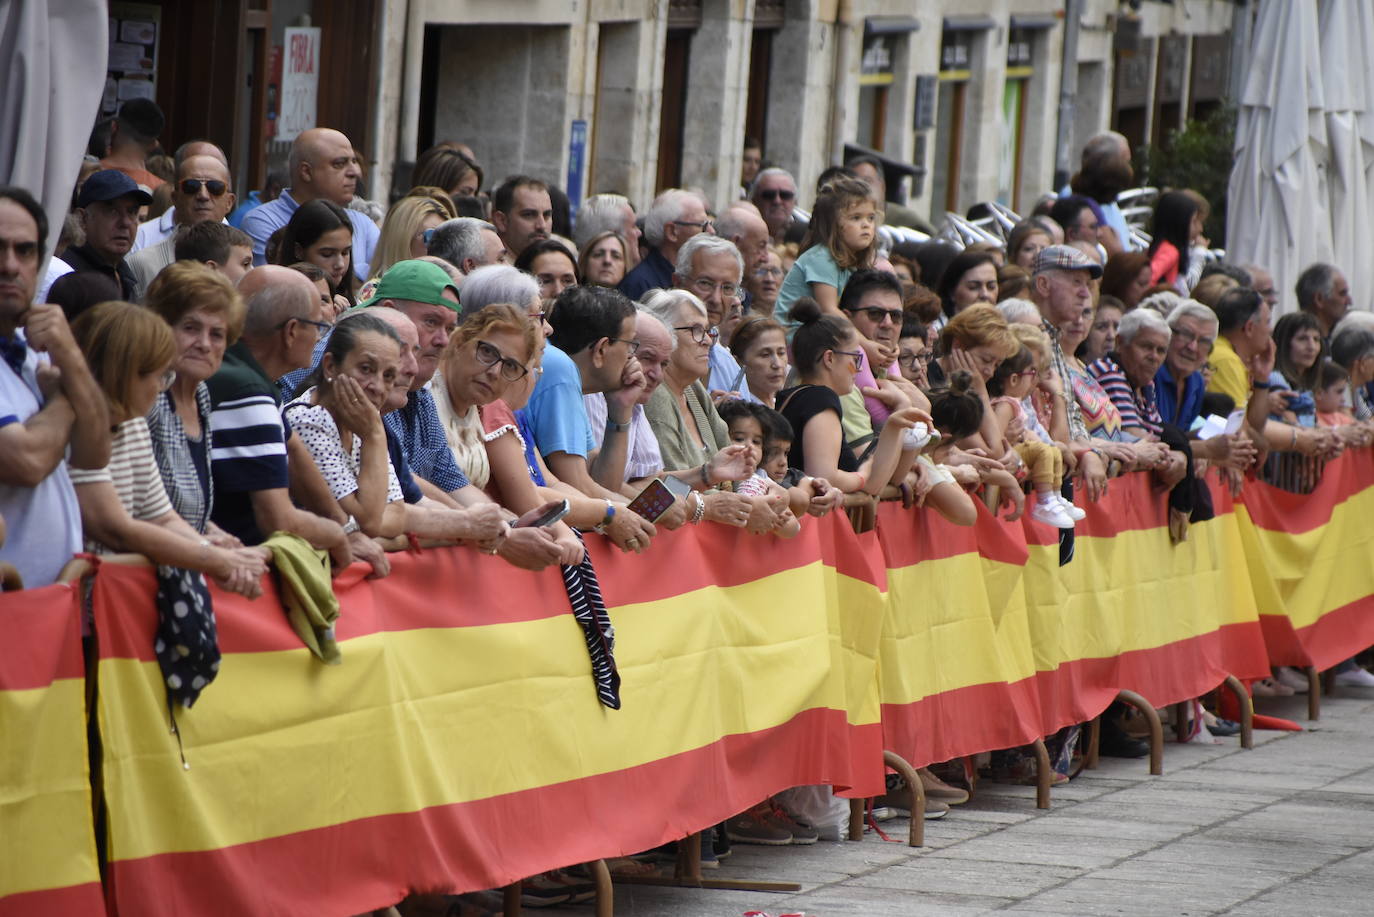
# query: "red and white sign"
{"points": [[300, 81]]}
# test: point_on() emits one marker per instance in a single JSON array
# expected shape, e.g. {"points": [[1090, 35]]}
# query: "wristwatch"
{"points": [[610, 514], [351, 526], [611, 425]]}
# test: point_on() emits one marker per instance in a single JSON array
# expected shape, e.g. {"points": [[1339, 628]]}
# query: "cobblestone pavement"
{"points": [[1285, 828]]}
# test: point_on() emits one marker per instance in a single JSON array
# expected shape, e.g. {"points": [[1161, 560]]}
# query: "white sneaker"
{"points": [[1073, 512], [1292, 678], [1355, 678], [1050, 513]]}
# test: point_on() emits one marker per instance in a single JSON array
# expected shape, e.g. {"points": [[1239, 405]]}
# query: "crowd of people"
{"points": [[208, 383]]}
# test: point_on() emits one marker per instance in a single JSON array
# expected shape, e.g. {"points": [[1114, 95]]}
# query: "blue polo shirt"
{"points": [[1180, 414]]}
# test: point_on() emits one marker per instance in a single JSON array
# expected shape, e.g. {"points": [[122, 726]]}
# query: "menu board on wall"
{"points": [[132, 69]]}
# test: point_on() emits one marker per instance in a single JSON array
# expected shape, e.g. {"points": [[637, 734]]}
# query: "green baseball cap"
{"points": [[415, 281]]}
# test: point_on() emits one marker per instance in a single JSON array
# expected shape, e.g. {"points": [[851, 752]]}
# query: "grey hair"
{"points": [[374, 211], [664, 305], [1104, 145], [774, 172], [1138, 320], [1351, 342], [1019, 310], [459, 239], [707, 244], [666, 323], [493, 283], [1161, 303], [731, 223], [1315, 280], [1191, 308], [271, 306], [667, 207], [600, 213]]}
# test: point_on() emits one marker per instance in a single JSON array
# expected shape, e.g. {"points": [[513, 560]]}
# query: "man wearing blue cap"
{"points": [[109, 205]]}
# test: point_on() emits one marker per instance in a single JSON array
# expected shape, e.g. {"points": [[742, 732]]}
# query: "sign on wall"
{"points": [[300, 81]]}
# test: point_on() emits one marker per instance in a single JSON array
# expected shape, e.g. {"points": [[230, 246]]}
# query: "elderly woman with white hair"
{"points": [[501, 283], [1020, 310], [1127, 375]]}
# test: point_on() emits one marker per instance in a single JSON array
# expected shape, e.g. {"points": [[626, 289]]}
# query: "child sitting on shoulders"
{"points": [[1009, 387]]}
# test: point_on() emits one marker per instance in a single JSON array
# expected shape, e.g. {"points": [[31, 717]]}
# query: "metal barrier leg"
{"points": [[1314, 700], [1156, 728], [1182, 711], [1247, 711], [916, 834], [510, 900], [1042, 774], [1094, 742], [688, 873], [856, 819], [605, 892]]}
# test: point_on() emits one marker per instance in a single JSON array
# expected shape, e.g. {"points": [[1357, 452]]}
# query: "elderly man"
{"points": [[1105, 172], [49, 403], [1061, 290], [202, 194], [1127, 374], [108, 204], [1323, 291], [742, 224], [1262, 282], [674, 217], [1179, 385], [640, 458], [775, 194], [522, 212], [184, 212], [323, 166], [467, 244], [608, 212], [254, 480], [711, 268]]}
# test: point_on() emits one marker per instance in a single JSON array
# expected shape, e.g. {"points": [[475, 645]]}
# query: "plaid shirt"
{"points": [[421, 434], [1077, 429], [176, 460]]}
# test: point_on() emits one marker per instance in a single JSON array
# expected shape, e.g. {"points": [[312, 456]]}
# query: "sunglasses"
{"points": [[192, 186], [776, 194]]}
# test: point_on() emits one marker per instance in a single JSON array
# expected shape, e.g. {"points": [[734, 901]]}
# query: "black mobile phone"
{"points": [[653, 501], [546, 515]]}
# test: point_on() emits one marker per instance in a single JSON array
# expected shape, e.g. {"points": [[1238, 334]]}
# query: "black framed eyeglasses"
{"points": [[632, 345], [511, 370], [858, 356], [909, 360], [320, 327], [192, 186], [700, 333], [703, 226]]}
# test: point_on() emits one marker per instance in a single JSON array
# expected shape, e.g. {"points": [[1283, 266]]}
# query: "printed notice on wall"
{"points": [[300, 81], [132, 68]]}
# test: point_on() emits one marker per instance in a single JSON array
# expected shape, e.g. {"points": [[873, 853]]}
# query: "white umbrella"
{"points": [[52, 65], [1347, 32], [1276, 214]]}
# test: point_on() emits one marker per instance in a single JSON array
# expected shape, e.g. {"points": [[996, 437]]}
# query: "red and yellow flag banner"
{"points": [[47, 835], [460, 744], [1310, 563]]}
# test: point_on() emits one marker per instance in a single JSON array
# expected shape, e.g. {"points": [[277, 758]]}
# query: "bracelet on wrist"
{"points": [[1294, 444], [701, 508], [613, 427], [610, 514], [705, 475]]}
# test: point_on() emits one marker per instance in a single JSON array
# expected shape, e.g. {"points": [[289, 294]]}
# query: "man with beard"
{"points": [[1104, 173]]}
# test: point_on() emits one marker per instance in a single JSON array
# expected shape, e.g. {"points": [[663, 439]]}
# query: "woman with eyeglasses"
{"points": [[337, 415], [405, 232], [552, 265], [760, 347], [124, 506], [828, 352], [320, 232]]}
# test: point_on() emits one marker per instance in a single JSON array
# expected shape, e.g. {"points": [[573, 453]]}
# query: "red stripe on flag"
{"points": [[42, 638], [72, 901], [374, 862]]}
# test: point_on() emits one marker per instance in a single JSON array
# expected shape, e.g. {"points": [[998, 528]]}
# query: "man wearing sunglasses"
{"points": [[201, 194], [775, 194], [209, 188]]}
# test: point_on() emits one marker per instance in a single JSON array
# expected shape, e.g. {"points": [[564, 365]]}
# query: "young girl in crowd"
{"points": [[841, 239], [1010, 387], [806, 495], [957, 411], [1332, 383], [320, 233], [745, 422]]}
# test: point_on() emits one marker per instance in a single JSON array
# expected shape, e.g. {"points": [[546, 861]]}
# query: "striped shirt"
{"points": [[1137, 406], [134, 474], [248, 441]]}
